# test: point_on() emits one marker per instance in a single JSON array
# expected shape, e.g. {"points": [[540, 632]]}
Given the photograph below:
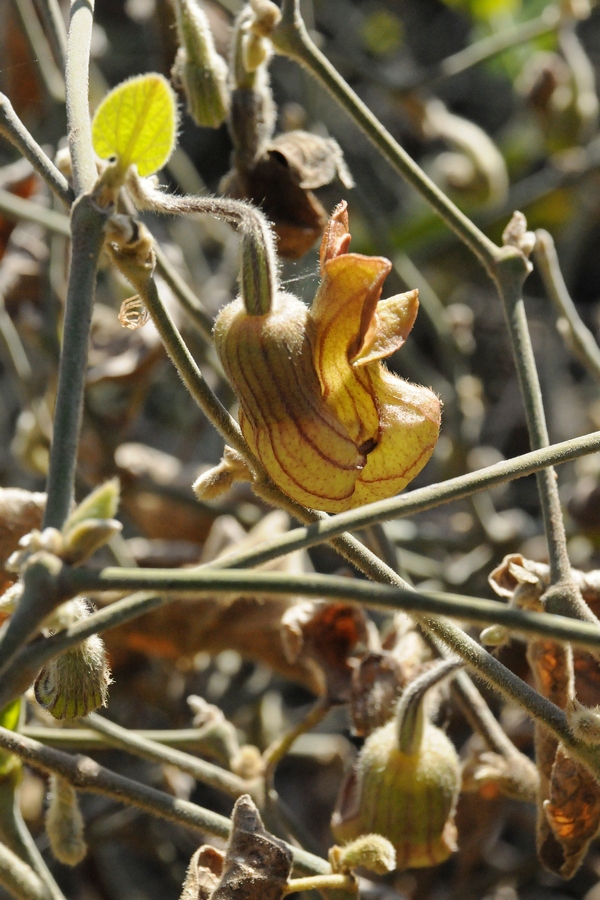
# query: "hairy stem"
{"points": [[79, 41], [87, 775]]}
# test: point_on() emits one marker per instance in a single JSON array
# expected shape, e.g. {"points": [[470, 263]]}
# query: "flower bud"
{"points": [[76, 682], [404, 785], [199, 68], [64, 823], [371, 851]]}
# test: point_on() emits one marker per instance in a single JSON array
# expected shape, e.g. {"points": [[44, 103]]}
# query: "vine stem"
{"points": [[201, 770], [87, 228], [579, 337], [79, 41], [14, 131], [87, 775], [290, 38]]}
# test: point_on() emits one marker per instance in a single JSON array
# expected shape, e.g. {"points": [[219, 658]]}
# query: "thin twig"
{"points": [[578, 336], [291, 39], [206, 581], [51, 75], [14, 131], [15, 207], [203, 771], [87, 775], [52, 16]]}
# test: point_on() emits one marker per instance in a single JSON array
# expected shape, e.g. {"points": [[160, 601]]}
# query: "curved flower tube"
{"points": [[332, 427]]}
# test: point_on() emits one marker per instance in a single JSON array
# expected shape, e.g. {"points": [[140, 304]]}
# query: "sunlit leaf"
{"points": [[136, 123]]}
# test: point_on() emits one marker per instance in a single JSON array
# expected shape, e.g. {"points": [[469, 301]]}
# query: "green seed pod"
{"points": [[405, 784]]}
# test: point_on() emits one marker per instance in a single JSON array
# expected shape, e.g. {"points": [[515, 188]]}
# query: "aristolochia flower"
{"points": [[332, 427]]}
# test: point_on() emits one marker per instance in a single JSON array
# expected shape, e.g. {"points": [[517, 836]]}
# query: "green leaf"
{"points": [[137, 124], [101, 503]]}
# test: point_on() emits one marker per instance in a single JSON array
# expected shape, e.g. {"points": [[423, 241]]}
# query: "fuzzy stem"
{"points": [[87, 775], [276, 752], [79, 41]]}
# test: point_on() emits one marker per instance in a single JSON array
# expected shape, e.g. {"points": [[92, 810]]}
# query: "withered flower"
{"points": [[332, 427]]}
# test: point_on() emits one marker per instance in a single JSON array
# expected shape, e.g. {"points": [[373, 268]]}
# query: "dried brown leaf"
{"points": [[377, 682], [327, 637], [202, 876], [572, 811], [257, 865]]}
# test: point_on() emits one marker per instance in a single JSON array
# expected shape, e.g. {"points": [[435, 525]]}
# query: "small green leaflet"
{"points": [[137, 123]]}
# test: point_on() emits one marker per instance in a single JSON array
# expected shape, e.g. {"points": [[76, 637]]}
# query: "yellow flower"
{"points": [[332, 427]]}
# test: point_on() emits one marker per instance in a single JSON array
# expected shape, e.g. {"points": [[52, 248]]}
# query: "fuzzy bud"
{"points": [[371, 851], [494, 636], [64, 823], [76, 682], [199, 68], [584, 721]]}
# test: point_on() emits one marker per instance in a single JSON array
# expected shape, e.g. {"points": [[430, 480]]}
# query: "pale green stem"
{"points": [[15, 207], [579, 337], [291, 39], [51, 12], [276, 752], [87, 775], [79, 41], [322, 883], [52, 77], [183, 361], [19, 879], [204, 772], [14, 131], [511, 272], [413, 502], [491, 46], [188, 739], [207, 581]]}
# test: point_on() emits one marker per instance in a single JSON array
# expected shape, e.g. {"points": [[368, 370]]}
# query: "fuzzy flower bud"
{"points": [[64, 822], [371, 851], [76, 682], [405, 785], [332, 427], [199, 68]]}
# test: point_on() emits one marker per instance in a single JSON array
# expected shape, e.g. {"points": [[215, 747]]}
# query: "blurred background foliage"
{"points": [[516, 129]]}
